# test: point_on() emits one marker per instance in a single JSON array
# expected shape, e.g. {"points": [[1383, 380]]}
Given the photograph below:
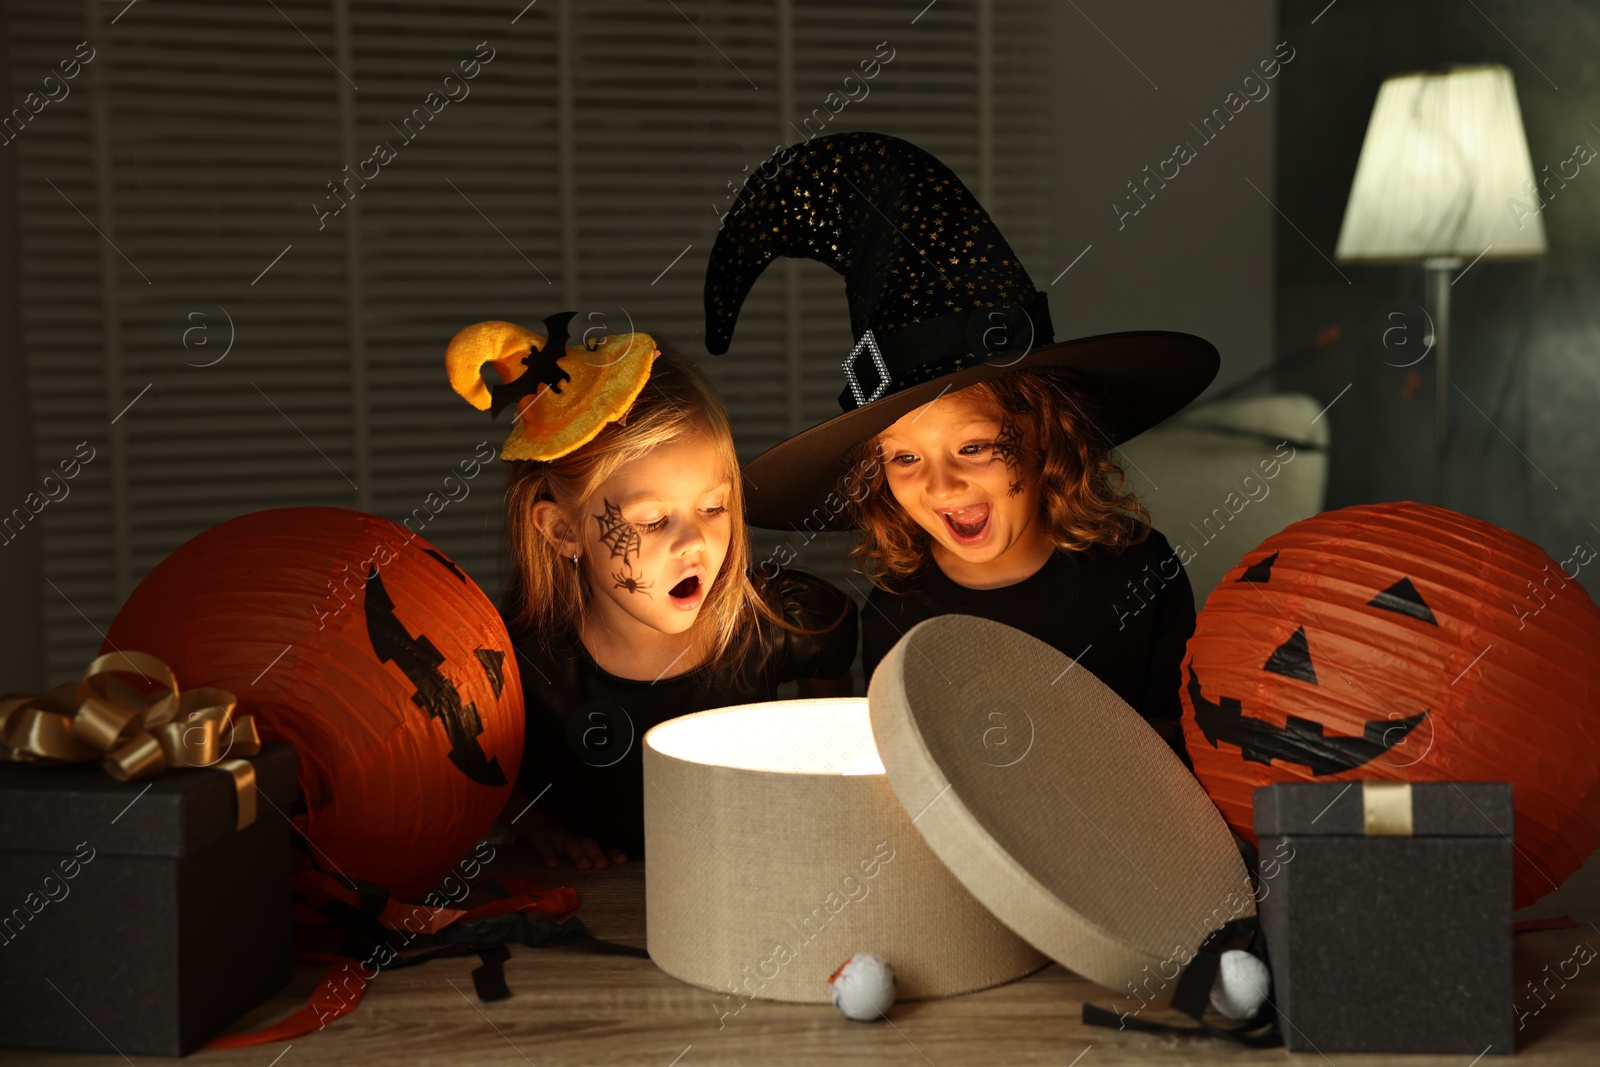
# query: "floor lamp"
{"points": [[1444, 179]]}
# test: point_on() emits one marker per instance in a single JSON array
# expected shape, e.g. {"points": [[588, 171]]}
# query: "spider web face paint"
{"points": [[1008, 446], [617, 533]]}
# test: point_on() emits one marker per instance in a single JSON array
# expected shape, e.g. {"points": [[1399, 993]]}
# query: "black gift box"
{"points": [[1382, 941], [134, 916]]}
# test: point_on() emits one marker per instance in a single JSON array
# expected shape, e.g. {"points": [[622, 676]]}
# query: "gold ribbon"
{"points": [[135, 735], [1386, 808]]}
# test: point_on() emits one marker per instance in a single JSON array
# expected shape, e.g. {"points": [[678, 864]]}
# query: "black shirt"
{"points": [[585, 727], [1125, 615]]}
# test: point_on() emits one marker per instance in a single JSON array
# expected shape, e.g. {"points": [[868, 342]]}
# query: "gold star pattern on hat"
{"points": [[879, 210]]}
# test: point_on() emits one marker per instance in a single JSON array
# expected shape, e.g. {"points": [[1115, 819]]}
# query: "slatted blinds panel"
{"points": [[579, 170]]}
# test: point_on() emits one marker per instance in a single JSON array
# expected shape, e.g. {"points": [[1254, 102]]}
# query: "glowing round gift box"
{"points": [[775, 848], [1025, 809]]}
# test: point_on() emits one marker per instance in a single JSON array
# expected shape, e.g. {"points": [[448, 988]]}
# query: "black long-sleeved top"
{"points": [[1132, 637], [585, 726]]}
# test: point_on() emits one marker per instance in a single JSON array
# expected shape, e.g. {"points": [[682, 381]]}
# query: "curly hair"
{"points": [[1081, 488]]}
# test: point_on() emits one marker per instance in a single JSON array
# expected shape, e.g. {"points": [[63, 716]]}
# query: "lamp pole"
{"points": [[1437, 270]]}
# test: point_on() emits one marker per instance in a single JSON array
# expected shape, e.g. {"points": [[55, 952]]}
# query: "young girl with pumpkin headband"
{"points": [[974, 454], [630, 600]]}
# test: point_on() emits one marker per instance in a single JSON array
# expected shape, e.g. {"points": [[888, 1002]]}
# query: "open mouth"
{"points": [[687, 592], [967, 524]]}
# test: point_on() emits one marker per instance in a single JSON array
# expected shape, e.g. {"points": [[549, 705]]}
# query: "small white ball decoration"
{"points": [[1241, 985], [864, 987]]}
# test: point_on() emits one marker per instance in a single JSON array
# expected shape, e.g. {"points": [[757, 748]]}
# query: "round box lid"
{"points": [[1053, 801]]}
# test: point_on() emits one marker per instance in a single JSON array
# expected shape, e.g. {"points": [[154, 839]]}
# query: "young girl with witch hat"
{"points": [[630, 600], [974, 451]]}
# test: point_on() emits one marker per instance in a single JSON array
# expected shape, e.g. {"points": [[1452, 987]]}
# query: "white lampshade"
{"points": [[1445, 151]]}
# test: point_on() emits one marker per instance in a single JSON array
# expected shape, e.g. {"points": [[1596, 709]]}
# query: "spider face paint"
{"points": [[658, 525], [623, 538], [1008, 447], [958, 467], [627, 581]]}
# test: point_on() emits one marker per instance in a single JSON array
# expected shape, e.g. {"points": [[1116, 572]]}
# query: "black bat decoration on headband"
{"points": [[543, 368]]}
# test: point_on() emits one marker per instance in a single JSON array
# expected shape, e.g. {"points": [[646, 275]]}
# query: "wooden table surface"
{"points": [[570, 1007]]}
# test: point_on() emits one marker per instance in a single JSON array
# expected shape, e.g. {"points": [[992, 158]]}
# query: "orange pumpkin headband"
{"points": [[564, 394]]}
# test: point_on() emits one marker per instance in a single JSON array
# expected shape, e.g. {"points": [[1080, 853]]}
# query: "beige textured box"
{"points": [[775, 848], [1025, 808]]}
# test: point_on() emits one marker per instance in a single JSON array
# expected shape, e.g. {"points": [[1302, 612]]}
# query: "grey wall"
{"points": [[1199, 256], [1524, 335]]}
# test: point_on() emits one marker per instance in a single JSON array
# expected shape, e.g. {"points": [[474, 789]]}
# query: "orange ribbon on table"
{"points": [[135, 735]]}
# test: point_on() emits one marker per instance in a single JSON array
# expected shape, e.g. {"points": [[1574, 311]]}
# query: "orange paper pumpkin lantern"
{"points": [[372, 652], [1407, 642]]}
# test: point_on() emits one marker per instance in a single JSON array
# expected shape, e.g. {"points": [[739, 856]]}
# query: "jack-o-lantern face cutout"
{"points": [[420, 660], [1406, 642], [375, 654], [1300, 740]]}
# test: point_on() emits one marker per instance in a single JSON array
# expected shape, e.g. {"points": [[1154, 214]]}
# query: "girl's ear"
{"points": [[553, 524]]}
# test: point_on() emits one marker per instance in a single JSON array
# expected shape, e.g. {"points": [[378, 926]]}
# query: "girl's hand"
{"points": [[555, 842]]}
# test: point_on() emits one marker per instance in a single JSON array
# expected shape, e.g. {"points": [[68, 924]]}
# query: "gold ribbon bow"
{"points": [[135, 735]]}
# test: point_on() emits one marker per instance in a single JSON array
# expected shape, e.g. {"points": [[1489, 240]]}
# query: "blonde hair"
{"points": [[547, 594], [1081, 497]]}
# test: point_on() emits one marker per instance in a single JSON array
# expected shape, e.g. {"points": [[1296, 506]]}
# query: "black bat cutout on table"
{"points": [[543, 367]]}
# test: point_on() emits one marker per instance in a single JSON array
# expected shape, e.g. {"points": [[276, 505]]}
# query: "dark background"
{"points": [[1523, 335], [1236, 250]]}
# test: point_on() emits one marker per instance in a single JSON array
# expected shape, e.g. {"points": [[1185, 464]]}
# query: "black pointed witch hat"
{"points": [[938, 301]]}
